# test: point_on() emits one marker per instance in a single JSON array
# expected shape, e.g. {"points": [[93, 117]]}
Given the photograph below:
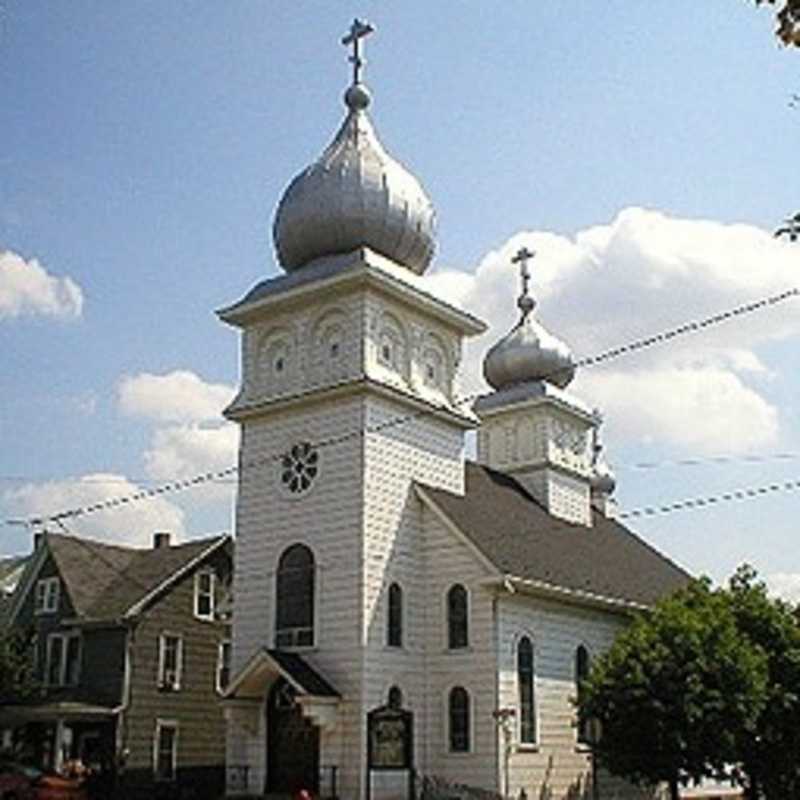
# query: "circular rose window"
{"points": [[299, 467]]}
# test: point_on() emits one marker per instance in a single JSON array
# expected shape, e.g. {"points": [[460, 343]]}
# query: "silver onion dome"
{"points": [[603, 481], [355, 195], [528, 352]]}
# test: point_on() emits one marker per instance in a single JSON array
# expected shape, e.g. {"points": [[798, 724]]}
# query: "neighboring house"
{"points": [[400, 612], [11, 570], [131, 648]]}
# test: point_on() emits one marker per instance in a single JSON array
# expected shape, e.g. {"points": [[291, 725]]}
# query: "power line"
{"points": [[688, 461], [748, 493], [215, 476], [699, 461]]}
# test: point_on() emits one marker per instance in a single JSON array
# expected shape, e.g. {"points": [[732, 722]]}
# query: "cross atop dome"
{"points": [[358, 30], [525, 303]]}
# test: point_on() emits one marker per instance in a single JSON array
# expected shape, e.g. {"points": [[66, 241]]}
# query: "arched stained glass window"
{"points": [[582, 665], [457, 617], [394, 617], [294, 606], [527, 699], [458, 708]]}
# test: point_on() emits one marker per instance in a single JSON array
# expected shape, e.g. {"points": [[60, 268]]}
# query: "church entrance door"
{"points": [[292, 744]]}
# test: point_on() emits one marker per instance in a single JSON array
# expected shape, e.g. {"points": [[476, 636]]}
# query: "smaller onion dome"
{"points": [[528, 352], [603, 480], [355, 195]]}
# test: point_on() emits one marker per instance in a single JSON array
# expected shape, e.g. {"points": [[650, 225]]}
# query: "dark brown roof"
{"points": [[103, 581], [303, 674], [519, 537]]}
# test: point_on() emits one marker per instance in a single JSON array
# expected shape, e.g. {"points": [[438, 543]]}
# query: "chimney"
{"points": [[161, 540]]}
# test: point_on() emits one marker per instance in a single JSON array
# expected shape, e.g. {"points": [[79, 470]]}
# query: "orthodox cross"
{"points": [[358, 30], [525, 303]]}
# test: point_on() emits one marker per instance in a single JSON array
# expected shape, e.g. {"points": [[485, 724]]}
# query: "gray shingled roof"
{"points": [[103, 581], [519, 537]]}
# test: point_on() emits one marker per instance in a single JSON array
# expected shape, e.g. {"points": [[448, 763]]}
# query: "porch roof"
{"points": [[64, 710], [266, 665]]}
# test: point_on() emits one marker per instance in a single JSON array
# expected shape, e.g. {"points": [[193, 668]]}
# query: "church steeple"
{"points": [[530, 426], [355, 195]]}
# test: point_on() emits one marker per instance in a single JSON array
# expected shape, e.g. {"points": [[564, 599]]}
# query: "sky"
{"points": [[646, 151]]}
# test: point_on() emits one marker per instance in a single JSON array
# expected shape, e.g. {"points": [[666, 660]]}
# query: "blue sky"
{"points": [[645, 150]]}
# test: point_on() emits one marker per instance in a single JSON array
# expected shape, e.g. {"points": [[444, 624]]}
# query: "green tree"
{"points": [[17, 678], [788, 19], [675, 691], [769, 754]]}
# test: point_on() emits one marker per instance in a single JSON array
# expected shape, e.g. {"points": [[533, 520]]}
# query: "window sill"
{"points": [[454, 651], [582, 747], [526, 747]]}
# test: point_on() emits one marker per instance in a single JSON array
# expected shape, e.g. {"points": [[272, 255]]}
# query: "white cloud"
{"points": [[643, 273], [27, 288], [701, 409], [179, 396], [188, 450], [785, 585], [129, 524]]}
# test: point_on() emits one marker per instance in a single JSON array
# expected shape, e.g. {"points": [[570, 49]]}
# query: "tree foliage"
{"points": [[676, 690], [769, 754], [788, 20], [17, 677], [705, 685]]}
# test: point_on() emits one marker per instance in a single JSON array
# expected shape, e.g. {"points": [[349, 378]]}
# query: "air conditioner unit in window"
{"points": [[170, 679]]}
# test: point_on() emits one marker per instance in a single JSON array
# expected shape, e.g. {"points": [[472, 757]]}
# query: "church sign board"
{"points": [[389, 743]]}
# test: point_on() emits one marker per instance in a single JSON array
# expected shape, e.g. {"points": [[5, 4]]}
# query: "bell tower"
{"points": [[347, 396], [531, 426]]}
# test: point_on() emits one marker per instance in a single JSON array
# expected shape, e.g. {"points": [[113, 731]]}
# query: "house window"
{"points": [[458, 713], [223, 666], [204, 594], [170, 660], [457, 617], [394, 620], [47, 593], [582, 665], [527, 704], [165, 750], [294, 607], [63, 659]]}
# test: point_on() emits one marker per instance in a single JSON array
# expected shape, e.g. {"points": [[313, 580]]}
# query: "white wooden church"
{"points": [[398, 609]]}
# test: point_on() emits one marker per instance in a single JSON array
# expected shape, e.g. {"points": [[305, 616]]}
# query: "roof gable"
{"points": [[521, 539], [106, 581]]}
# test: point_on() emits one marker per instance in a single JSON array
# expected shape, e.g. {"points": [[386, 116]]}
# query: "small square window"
{"points": [[278, 365], [47, 595], [386, 353], [335, 350], [170, 662], [165, 750], [223, 666], [204, 584]]}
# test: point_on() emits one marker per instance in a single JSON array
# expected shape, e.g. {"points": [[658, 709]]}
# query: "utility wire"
{"points": [[188, 483], [748, 493], [688, 461]]}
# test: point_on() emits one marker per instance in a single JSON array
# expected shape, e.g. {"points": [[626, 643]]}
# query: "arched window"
{"points": [[581, 674], [294, 606], [457, 617], [458, 708], [527, 701], [395, 697], [394, 617]]}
